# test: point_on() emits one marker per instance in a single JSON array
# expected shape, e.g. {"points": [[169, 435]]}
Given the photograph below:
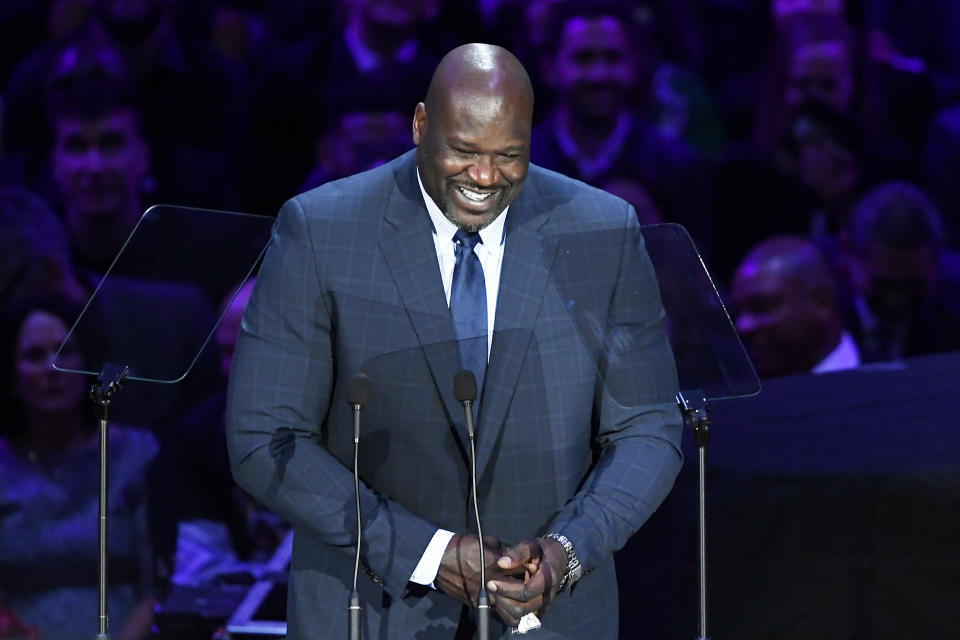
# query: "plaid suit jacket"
{"points": [[578, 432]]}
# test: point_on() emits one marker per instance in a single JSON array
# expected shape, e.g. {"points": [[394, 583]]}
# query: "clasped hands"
{"points": [[523, 578]]}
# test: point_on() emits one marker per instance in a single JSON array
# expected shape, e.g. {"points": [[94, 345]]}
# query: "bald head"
{"points": [[785, 299], [473, 134], [480, 70], [792, 259]]}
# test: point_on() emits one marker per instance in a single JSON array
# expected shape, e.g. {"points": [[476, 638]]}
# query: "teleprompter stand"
{"points": [[696, 416], [177, 260], [711, 362], [108, 382]]}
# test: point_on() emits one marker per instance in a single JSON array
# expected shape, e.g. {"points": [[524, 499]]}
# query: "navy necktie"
{"points": [[468, 305]]}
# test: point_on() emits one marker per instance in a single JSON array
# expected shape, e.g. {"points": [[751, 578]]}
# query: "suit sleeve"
{"points": [[281, 383], [638, 424]]}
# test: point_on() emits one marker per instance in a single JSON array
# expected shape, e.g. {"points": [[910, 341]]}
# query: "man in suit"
{"points": [[789, 310], [578, 430]]}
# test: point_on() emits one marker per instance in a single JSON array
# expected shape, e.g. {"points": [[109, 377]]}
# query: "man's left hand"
{"points": [[545, 563]]}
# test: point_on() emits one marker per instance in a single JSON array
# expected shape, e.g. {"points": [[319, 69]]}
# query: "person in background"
{"points": [[35, 258], [941, 165], [805, 161], [359, 140], [210, 527], [788, 314], [34, 250], [105, 168], [49, 457], [192, 94], [99, 159], [595, 131], [372, 51], [904, 292]]}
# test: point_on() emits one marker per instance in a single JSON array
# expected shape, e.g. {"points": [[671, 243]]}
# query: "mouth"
{"points": [[475, 196]]}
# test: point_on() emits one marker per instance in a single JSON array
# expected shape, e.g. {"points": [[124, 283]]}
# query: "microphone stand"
{"points": [[358, 391], [101, 392], [465, 385], [695, 414]]}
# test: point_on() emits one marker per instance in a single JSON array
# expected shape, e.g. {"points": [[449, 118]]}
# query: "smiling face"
{"points": [[822, 71], [473, 152], [98, 164], [41, 388], [594, 69], [780, 323]]}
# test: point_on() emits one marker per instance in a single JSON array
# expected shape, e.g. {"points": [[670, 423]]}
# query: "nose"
{"points": [[598, 71], [483, 172], [93, 159]]}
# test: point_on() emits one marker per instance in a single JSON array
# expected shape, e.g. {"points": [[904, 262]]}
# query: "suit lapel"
{"points": [[406, 242], [407, 245], [523, 278]]}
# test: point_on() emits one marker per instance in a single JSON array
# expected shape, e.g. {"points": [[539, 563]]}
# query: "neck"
{"points": [[588, 133], [97, 242]]}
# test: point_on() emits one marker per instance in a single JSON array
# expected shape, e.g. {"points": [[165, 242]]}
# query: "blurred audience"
{"points": [[34, 250], [49, 493], [757, 124], [211, 528], [634, 193], [189, 92], [595, 131], [900, 282], [788, 314], [941, 166], [177, 318], [804, 168], [377, 52], [98, 161], [99, 167], [361, 140]]}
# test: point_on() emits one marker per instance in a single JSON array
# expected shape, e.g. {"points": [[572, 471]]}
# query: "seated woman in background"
{"points": [[49, 460]]}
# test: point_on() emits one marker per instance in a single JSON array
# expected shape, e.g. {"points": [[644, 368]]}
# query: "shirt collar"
{"points": [[844, 356], [491, 235]]}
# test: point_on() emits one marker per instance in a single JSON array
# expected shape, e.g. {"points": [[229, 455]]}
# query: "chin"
{"points": [[474, 223]]}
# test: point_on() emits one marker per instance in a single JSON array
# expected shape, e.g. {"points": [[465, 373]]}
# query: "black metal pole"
{"points": [[101, 394], [696, 415]]}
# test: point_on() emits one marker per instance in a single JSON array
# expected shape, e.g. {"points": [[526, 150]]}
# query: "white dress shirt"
{"points": [[844, 356], [490, 253]]}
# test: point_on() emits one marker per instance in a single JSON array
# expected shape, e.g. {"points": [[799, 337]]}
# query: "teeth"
{"points": [[474, 196]]}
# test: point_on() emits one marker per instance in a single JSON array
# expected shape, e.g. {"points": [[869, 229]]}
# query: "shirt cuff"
{"points": [[429, 565]]}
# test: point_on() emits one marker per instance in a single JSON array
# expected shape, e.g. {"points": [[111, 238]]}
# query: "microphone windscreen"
{"points": [[465, 386], [358, 391]]}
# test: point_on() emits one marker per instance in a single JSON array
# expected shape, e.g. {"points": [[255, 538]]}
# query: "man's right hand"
{"points": [[459, 575]]}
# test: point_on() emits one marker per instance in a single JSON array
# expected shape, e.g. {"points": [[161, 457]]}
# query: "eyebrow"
{"points": [[459, 142]]}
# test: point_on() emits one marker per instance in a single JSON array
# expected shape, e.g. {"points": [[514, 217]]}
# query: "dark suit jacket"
{"points": [[350, 283]]}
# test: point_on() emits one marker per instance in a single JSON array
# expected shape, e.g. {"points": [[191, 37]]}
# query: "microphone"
{"points": [[465, 391], [358, 392]]}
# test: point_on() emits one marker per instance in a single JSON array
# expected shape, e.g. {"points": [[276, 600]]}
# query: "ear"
{"points": [[419, 123]]}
